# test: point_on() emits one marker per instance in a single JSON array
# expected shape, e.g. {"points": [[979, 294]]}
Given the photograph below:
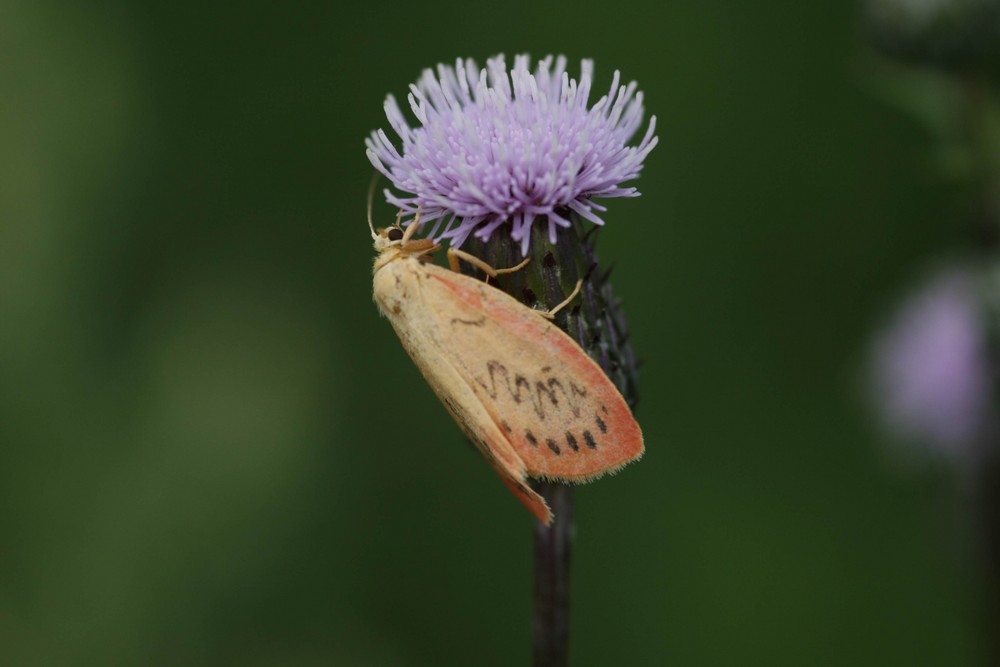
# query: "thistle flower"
{"points": [[519, 148], [931, 367], [495, 153]]}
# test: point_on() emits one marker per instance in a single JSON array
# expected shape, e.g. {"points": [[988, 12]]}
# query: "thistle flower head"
{"points": [[931, 367], [517, 147]]}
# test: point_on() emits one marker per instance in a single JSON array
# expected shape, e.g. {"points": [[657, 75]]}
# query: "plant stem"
{"points": [[979, 119], [552, 556]]}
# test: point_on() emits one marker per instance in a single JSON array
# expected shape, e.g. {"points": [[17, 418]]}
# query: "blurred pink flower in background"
{"points": [[932, 375]]}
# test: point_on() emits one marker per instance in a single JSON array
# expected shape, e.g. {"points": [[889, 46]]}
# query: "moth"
{"points": [[533, 402]]}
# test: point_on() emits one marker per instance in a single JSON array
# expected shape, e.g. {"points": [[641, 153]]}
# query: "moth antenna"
{"points": [[371, 198]]}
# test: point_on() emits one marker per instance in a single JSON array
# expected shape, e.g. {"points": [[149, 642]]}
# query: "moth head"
{"points": [[386, 237]]}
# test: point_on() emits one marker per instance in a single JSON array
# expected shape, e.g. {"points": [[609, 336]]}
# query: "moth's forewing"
{"points": [[399, 294], [564, 417]]}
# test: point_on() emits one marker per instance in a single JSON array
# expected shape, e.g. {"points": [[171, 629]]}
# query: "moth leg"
{"points": [[422, 248], [412, 229], [552, 313], [454, 255]]}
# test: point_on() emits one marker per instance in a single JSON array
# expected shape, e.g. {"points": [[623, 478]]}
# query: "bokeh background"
{"points": [[214, 452]]}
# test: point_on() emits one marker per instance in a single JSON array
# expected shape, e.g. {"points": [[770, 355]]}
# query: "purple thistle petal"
{"points": [[496, 146]]}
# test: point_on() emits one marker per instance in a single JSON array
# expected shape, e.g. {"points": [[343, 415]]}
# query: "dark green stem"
{"points": [[981, 131], [552, 555], [988, 516]]}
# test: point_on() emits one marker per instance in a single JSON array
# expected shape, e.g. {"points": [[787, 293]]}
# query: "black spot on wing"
{"points": [[553, 446], [505, 425], [571, 441], [589, 439], [531, 438], [601, 425]]}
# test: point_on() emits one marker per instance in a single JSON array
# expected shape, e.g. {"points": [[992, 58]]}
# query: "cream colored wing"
{"points": [[398, 290]]}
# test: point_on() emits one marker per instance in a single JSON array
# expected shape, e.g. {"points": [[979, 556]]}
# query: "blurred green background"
{"points": [[214, 452]]}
